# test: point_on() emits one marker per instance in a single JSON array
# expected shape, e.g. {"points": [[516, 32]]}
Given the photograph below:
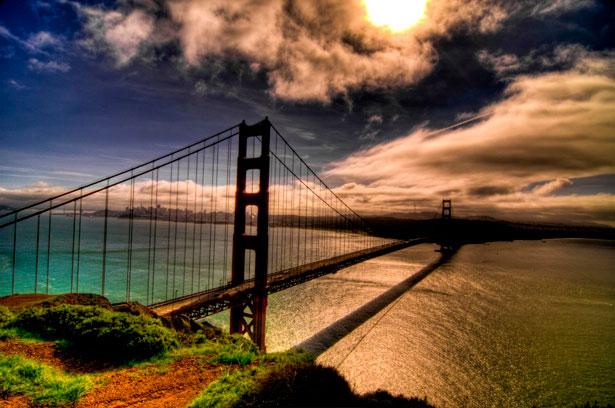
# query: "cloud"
{"points": [[551, 7], [309, 50], [563, 56], [49, 66], [550, 127], [38, 43], [502, 64], [43, 43], [43, 40], [19, 197], [171, 194], [552, 186], [15, 85], [371, 130], [121, 34], [375, 119], [6, 33]]}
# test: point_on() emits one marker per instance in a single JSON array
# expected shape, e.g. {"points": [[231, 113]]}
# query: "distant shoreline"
{"points": [[462, 230]]}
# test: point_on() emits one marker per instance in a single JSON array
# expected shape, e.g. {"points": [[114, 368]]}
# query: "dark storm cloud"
{"points": [[309, 50], [485, 191]]}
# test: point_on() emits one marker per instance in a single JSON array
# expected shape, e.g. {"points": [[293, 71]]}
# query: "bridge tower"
{"points": [[447, 209], [446, 227], [248, 313]]}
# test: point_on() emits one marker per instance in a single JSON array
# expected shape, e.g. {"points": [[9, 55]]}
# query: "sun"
{"points": [[396, 15]]}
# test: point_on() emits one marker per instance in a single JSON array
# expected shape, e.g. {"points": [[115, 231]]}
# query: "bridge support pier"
{"points": [[248, 313]]}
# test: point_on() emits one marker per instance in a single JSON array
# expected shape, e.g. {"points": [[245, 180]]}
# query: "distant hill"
{"points": [[483, 229]]}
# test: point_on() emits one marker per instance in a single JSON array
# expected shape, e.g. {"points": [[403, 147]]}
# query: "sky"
{"points": [[506, 107]]}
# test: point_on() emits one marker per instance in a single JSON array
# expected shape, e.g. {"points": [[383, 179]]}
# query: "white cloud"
{"points": [[550, 7], [38, 43], [502, 64], [127, 33], [121, 34], [563, 56], [48, 66], [43, 40], [15, 85], [6, 33], [552, 186], [219, 197]]}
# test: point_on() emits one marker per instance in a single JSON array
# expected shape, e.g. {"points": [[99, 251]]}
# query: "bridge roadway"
{"points": [[202, 304]]}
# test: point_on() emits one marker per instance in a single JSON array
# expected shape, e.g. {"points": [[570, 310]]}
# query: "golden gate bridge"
{"points": [[218, 224]]}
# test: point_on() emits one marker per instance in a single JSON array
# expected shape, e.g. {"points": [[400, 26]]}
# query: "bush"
{"points": [[8, 334], [234, 349], [243, 388], [98, 331], [46, 386], [6, 316], [228, 390]]}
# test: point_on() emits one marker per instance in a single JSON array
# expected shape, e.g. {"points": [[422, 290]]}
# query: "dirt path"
{"points": [[17, 401], [169, 385], [173, 385]]}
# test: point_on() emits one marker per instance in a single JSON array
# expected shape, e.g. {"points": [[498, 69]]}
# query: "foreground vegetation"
{"points": [[95, 330], [134, 336], [291, 379], [44, 385]]}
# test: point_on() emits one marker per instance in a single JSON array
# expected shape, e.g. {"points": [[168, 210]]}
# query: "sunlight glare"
{"points": [[396, 15]]}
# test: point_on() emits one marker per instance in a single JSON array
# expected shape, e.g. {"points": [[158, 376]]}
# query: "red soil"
{"points": [[23, 301], [175, 385], [18, 401], [170, 385]]}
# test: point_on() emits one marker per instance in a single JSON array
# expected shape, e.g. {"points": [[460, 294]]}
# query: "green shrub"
{"points": [[238, 388], [6, 316], [234, 349], [98, 331], [228, 390], [46, 386], [8, 334]]}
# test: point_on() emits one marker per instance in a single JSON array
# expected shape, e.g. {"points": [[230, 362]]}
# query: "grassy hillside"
{"points": [[58, 351]]}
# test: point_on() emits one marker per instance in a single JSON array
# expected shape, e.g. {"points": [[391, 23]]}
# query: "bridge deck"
{"points": [[215, 300]]}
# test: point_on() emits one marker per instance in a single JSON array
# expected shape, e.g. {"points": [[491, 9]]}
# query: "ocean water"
{"points": [[167, 259], [509, 324]]}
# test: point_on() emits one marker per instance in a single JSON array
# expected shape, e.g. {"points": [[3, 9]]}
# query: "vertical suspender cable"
{"points": [[169, 231], [201, 218], [48, 248], [155, 238], [131, 205], [149, 241], [38, 238], [173, 291], [186, 225], [79, 243], [14, 254], [72, 254], [196, 184], [215, 205]]}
